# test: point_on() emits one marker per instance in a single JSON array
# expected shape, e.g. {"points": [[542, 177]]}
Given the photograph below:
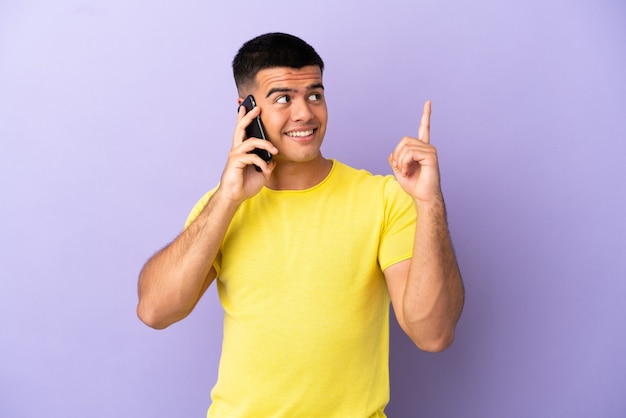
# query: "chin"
{"points": [[295, 158]]}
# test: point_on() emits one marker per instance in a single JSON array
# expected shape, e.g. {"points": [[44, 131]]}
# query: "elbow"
{"points": [[434, 344], [151, 317], [429, 337]]}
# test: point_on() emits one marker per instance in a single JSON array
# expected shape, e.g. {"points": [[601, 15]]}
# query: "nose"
{"points": [[301, 111]]}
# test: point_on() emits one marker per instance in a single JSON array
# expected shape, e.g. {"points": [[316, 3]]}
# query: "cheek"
{"points": [[271, 122], [321, 113], [273, 127]]}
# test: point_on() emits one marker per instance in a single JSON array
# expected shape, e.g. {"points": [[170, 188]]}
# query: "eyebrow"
{"points": [[290, 90]]}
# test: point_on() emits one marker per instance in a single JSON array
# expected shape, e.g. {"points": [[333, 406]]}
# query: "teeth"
{"points": [[301, 133]]}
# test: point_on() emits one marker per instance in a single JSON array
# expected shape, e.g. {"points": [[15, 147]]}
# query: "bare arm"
{"points": [[426, 291], [174, 279]]}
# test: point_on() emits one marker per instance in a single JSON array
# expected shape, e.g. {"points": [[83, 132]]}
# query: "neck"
{"points": [[289, 175]]}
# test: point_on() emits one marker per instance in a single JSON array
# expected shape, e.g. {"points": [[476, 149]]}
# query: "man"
{"points": [[308, 253]]}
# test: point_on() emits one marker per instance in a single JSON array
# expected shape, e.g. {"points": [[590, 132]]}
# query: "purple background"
{"points": [[116, 116]]}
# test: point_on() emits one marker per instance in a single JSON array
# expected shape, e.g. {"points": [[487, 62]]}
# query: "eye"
{"points": [[283, 99], [315, 97]]}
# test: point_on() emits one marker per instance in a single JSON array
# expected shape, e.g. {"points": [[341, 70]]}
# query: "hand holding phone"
{"points": [[255, 130]]}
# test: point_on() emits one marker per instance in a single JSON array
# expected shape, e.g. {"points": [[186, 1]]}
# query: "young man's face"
{"points": [[293, 110]]}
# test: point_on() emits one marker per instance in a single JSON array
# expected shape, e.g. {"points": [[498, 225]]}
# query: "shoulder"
{"points": [[385, 183], [345, 171]]}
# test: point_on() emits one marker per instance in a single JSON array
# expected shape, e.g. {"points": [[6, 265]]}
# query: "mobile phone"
{"points": [[255, 130]]}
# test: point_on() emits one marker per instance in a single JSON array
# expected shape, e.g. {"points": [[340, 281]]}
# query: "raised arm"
{"points": [[173, 280], [426, 291]]}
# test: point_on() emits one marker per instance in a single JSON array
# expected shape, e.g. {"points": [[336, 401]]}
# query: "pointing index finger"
{"points": [[423, 133]]}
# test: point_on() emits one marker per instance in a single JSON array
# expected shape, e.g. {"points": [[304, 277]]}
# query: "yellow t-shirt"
{"points": [[306, 324]]}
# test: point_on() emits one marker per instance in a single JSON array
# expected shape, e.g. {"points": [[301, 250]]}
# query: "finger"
{"points": [[393, 163], [413, 154], [249, 145], [242, 161], [396, 155], [239, 135], [423, 133], [405, 142], [263, 144], [243, 120], [400, 159]]}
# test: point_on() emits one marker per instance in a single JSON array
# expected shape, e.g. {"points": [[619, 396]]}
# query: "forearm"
{"points": [[173, 280], [434, 294]]}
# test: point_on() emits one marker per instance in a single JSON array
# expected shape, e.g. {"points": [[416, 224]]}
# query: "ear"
{"points": [[240, 101]]}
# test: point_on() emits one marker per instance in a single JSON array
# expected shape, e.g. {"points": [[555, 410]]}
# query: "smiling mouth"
{"points": [[300, 134]]}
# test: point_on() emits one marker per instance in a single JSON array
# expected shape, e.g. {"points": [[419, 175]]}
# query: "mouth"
{"points": [[302, 135]]}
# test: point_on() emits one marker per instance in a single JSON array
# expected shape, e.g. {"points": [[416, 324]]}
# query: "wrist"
{"points": [[225, 200], [431, 199], [433, 204]]}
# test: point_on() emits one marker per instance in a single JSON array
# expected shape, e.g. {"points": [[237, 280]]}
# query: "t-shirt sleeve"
{"points": [[399, 225], [195, 211]]}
